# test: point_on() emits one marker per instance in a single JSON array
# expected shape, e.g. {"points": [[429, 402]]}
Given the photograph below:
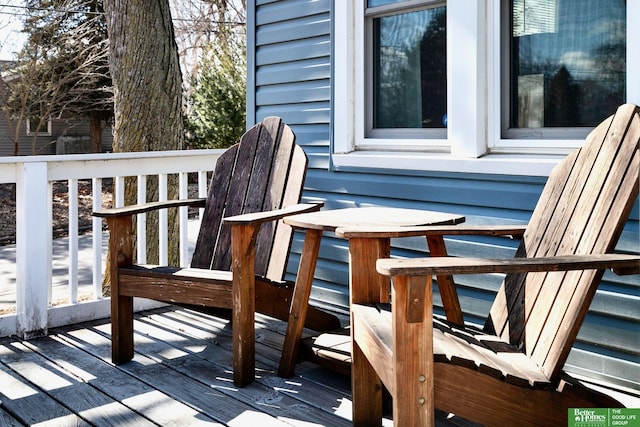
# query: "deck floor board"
{"points": [[180, 376]]}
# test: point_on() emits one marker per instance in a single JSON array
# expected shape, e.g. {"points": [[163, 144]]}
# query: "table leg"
{"points": [[446, 285], [300, 302], [366, 285]]}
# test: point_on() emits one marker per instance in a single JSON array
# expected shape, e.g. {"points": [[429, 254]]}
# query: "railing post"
{"points": [[33, 249]]}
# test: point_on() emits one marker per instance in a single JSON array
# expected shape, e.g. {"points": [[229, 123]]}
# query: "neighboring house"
{"points": [[65, 135], [62, 136], [388, 118]]}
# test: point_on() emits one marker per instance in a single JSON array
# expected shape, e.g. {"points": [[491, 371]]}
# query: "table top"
{"points": [[329, 220]]}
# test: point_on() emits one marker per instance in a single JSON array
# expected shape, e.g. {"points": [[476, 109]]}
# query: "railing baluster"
{"points": [[142, 221], [119, 191], [49, 239], [183, 183], [202, 189], [96, 223], [72, 193], [163, 253]]}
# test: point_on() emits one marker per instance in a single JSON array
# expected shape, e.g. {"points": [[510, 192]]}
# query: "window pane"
{"points": [[567, 62], [37, 124], [374, 3], [409, 70]]}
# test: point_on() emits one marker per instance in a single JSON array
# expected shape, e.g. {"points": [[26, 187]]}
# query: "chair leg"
{"points": [[366, 388], [413, 365], [244, 303], [121, 254], [243, 347], [121, 329]]}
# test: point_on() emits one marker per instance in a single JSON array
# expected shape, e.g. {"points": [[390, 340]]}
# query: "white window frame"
{"points": [[474, 143], [414, 139], [545, 144], [46, 132]]}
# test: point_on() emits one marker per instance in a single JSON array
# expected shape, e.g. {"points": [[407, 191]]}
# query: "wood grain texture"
{"points": [[437, 265]]}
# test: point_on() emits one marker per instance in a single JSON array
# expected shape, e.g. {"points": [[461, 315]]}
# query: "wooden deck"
{"points": [[180, 376]]}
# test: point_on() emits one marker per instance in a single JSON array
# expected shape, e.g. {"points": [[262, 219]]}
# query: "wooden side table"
{"points": [[363, 256]]}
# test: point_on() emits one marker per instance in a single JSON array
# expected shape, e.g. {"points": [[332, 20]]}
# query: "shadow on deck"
{"points": [[181, 375]]}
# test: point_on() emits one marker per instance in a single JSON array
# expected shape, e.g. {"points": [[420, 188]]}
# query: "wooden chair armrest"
{"points": [[147, 207], [260, 217], [515, 231], [625, 264]]}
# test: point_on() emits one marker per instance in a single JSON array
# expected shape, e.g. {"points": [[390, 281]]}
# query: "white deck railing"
{"points": [[34, 249]]}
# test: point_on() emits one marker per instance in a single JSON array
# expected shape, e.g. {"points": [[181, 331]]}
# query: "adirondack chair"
{"points": [[236, 264], [511, 371]]}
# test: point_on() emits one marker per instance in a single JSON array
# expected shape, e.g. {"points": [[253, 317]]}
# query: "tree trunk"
{"points": [[144, 65], [146, 76], [95, 131]]}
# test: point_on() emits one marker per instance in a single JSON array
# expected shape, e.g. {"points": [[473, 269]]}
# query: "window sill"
{"points": [[495, 164]]}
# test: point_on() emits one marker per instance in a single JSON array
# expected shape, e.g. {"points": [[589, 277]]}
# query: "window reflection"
{"points": [[409, 70], [568, 62]]}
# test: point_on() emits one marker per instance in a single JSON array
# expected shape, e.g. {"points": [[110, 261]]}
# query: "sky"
{"points": [[11, 39]]}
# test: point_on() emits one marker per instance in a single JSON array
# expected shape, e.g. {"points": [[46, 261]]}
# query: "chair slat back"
{"points": [[264, 171], [582, 210]]}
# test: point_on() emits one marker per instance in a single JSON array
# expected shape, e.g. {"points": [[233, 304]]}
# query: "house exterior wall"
{"points": [[46, 144], [28, 144], [290, 74]]}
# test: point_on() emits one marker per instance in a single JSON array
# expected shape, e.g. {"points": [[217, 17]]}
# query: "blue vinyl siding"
{"points": [[290, 75]]}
